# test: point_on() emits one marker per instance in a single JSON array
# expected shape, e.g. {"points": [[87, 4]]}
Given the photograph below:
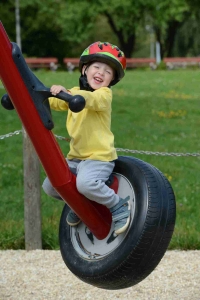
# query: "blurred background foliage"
{"points": [[64, 28]]}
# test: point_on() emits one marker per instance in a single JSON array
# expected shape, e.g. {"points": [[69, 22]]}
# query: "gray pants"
{"points": [[90, 181]]}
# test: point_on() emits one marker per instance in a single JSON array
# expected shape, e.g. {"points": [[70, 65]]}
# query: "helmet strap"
{"points": [[83, 83]]}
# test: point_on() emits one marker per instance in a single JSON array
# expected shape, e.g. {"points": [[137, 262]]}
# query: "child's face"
{"points": [[99, 75]]}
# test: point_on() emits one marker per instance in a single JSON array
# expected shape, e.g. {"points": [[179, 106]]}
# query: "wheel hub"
{"points": [[87, 245]]}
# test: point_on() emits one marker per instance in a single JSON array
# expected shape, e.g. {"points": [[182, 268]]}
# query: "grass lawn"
{"points": [[152, 111]]}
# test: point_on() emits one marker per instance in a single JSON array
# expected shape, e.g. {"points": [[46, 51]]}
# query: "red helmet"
{"points": [[106, 53]]}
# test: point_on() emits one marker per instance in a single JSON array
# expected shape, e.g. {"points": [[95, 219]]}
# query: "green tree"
{"points": [[124, 17], [187, 41], [7, 17], [64, 27], [167, 17], [39, 30], [78, 18]]}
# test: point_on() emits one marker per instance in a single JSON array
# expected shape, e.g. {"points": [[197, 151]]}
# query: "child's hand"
{"points": [[55, 89]]}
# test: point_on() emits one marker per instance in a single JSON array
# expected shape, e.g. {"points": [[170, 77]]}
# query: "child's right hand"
{"points": [[55, 89]]}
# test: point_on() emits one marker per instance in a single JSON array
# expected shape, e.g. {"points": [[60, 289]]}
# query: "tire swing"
{"points": [[123, 261]]}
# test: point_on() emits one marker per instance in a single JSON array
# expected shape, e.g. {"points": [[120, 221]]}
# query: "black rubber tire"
{"points": [[147, 239]]}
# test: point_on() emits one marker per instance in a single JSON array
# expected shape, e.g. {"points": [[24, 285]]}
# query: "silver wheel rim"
{"points": [[87, 245]]}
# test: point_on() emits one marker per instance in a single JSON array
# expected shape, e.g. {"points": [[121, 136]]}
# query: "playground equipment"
{"points": [[91, 250]]}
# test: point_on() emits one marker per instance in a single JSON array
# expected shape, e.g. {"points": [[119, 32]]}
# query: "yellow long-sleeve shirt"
{"points": [[90, 129]]}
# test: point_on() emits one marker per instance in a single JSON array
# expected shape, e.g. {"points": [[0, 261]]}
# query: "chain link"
{"points": [[62, 138], [118, 149]]}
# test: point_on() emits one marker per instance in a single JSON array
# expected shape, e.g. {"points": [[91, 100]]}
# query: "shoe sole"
{"points": [[73, 224], [122, 229]]}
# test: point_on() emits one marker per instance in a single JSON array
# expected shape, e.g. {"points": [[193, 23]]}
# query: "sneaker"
{"points": [[121, 215], [72, 218]]}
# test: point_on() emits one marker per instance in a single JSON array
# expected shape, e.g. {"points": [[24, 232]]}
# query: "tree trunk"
{"points": [[126, 45], [129, 45], [170, 37]]}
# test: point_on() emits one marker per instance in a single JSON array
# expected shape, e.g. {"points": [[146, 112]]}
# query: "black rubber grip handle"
{"points": [[76, 103]]}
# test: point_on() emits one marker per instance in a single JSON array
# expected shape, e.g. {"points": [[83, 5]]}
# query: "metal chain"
{"points": [[62, 138], [118, 149], [157, 153], [10, 134]]}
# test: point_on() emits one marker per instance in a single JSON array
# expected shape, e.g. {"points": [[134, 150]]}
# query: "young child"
{"points": [[92, 154]]}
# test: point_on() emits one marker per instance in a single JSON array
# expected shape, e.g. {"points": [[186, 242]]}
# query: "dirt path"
{"points": [[42, 275]]}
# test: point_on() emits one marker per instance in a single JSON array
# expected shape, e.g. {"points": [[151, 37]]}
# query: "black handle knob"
{"points": [[6, 102], [77, 103]]}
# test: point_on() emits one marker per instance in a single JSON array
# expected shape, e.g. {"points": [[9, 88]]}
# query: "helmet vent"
{"points": [[100, 46]]}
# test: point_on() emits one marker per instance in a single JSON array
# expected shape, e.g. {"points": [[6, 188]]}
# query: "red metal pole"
{"points": [[96, 217]]}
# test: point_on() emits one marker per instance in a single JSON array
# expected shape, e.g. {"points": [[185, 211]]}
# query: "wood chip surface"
{"points": [[42, 275]]}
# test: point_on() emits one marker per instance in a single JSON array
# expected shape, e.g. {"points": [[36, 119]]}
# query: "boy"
{"points": [[92, 153]]}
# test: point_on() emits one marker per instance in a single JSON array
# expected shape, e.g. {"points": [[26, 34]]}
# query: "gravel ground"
{"points": [[42, 275]]}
